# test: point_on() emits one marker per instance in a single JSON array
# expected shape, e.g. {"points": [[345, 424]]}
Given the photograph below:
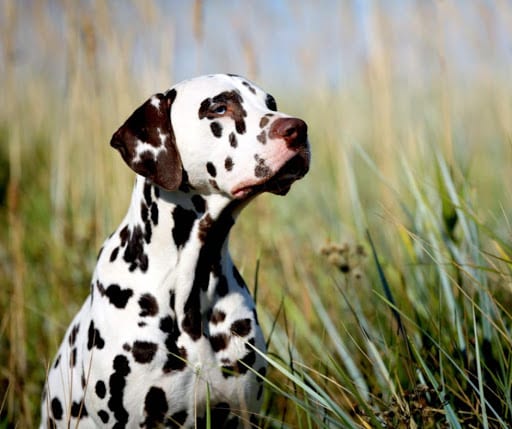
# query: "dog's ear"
{"points": [[147, 143]]}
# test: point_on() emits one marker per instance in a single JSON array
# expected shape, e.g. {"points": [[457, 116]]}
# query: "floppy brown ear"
{"points": [[147, 144]]}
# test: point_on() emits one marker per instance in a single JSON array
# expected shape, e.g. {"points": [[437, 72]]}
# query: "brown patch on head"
{"points": [[264, 121], [261, 169], [227, 103], [262, 137], [150, 125]]}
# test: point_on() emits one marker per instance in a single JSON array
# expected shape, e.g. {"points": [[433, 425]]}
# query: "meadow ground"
{"points": [[383, 280]]}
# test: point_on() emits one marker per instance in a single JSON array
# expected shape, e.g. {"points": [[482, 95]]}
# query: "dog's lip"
{"points": [[280, 182]]}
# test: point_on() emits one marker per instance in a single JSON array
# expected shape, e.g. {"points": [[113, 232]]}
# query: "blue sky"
{"points": [[292, 43]]}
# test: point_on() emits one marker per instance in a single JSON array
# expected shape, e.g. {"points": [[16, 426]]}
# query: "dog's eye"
{"points": [[219, 109]]}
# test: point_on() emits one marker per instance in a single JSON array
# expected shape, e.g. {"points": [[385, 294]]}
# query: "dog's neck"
{"points": [[183, 238]]}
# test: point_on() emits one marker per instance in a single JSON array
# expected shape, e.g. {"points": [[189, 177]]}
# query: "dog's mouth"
{"points": [[280, 182]]}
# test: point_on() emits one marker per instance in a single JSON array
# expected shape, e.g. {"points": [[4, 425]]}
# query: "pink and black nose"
{"points": [[293, 131]]}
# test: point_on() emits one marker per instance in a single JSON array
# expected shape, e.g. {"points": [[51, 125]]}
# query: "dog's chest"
{"points": [[138, 333]]}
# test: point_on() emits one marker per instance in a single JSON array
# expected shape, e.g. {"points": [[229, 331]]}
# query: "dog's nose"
{"points": [[293, 131]]}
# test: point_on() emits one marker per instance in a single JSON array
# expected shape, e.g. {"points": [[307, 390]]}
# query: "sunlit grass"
{"points": [[383, 279]]}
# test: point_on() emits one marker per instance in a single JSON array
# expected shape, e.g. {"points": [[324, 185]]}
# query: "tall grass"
{"points": [[383, 279]]}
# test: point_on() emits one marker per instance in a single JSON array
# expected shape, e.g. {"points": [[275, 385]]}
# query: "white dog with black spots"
{"points": [[169, 324]]}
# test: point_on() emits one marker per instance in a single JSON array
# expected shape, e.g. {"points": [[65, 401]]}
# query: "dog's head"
{"points": [[215, 134]]}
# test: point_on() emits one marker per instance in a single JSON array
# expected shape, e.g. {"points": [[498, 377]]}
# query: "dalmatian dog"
{"points": [[168, 335]]}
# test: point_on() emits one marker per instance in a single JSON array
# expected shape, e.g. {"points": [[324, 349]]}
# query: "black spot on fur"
{"points": [[219, 342], [103, 415], [212, 171], [72, 358], [56, 408], [144, 351], [177, 420], [154, 214], [248, 360], [73, 334], [249, 86], [228, 371], [117, 384], [216, 129], [117, 296], [262, 371], [183, 222], [260, 392], [94, 338], [147, 231], [241, 366], [185, 185], [155, 407], [114, 253], [232, 140], [148, 305], [222, 286], [261, 169], [217, 316], [134, 252], [147, 193], [212, 234], [262, 137], [172, 299], [99, 253], [175, 356], [241, 327], [214, 184], [199, 203], [270, 102], [228, 163], [57, 361], [144, 212], [219, 413], [101, 288], [100, 389], [124, 235], [78, 410]]}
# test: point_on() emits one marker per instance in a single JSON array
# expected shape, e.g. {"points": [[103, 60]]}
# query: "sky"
{"points": [[326, 43]]}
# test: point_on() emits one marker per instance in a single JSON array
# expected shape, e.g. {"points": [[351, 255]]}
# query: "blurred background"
{"points": [[409, 106]]}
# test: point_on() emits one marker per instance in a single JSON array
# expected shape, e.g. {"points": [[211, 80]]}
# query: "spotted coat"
{"points": [[169, 325]]}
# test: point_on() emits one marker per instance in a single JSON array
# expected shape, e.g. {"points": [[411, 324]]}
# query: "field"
{"points": [[383, 279]]}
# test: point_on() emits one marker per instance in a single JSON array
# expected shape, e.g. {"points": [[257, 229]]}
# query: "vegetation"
{"points": [[383, 280]]}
